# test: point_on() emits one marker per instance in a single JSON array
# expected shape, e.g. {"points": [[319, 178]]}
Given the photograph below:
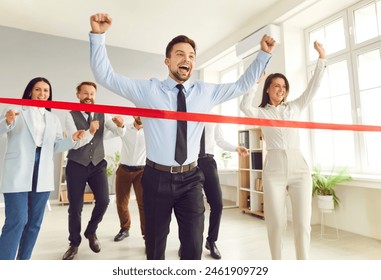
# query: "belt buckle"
{"points": [[171, 170], [175, 172]]}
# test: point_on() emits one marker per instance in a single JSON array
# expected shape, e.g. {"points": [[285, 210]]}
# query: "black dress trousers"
{"points": [[182, 193], [77, 177], [213, 195]]}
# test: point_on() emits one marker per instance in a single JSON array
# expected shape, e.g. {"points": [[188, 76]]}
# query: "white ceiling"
{"points": [[146, 25]]}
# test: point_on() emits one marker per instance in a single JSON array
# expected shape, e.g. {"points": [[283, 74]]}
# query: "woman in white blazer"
{"points": [[33, 135], [285, 170]]}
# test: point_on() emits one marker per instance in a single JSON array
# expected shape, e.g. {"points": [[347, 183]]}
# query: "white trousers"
{"points": [[286, 172]]}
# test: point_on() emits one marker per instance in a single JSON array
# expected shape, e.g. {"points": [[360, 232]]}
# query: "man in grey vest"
{"points": [[86, 165]]}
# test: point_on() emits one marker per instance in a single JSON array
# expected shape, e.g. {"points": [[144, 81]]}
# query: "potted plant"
{"points": [[323, 186], [226, 156]]}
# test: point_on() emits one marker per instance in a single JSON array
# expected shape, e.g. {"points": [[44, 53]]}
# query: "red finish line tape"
{"points": [[173, 115]]}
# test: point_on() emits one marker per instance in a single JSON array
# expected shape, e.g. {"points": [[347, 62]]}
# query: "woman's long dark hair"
{"points": [[28, 90], [269, 79]]}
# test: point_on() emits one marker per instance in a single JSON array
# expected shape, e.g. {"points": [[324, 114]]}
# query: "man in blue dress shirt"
{"points": [[167, 185]]}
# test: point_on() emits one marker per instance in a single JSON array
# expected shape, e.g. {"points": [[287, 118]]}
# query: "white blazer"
{"points": [[17, 172]]}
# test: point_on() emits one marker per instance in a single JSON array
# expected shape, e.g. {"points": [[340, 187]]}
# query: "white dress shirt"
{"points": [[284, 138], [38, 120], [214, 136], [133, 147]]}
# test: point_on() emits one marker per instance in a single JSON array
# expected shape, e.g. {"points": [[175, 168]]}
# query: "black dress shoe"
{"points": [[214, 252], [94, 244], [70, 253], [123, 233]]}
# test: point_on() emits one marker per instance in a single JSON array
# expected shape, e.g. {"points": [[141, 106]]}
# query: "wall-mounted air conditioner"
{"points": [[250, 44]]}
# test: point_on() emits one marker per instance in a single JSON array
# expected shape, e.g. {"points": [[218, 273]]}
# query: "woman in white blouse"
{"points": [[285, 170], [33, 135]]}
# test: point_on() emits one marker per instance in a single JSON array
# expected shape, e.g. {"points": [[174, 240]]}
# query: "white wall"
{"points": [[359, 210], [65, 63]]}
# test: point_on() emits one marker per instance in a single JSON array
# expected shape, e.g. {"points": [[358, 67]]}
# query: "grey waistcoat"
{"points": [[94, 150]]}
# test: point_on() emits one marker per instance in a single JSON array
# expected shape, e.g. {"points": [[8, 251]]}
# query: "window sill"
{"points": [[227, 170], [364, 181]]}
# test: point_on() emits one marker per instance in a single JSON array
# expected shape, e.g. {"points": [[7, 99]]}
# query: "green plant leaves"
{"points": [[323, 184]]}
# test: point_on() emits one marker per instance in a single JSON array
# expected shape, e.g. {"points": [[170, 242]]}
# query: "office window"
{"points": [[332, 104], [367, 21], [229, 108], [331, 35], [368, 71], [350, 90]]}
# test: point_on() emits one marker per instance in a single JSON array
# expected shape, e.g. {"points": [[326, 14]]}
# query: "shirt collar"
{"points": [[42, 110], [37, 109], [171, 84], [283, 104]]}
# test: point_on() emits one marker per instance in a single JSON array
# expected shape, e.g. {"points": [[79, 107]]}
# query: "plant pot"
{"points": [[112, 198], [325, 203], [226, 163], [111, 183]]}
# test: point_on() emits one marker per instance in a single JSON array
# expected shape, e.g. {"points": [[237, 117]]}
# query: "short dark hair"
{"points": [[87, 83], [269, 79], [179, 39], [28, 90]]}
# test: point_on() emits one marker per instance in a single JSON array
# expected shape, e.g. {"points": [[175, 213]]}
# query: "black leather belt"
{"points": [[133, 168], [171, 169]]}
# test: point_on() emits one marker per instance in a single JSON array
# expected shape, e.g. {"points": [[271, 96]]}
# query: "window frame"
{"points": [[350, 53], [320, 24], [358, 109], [351, 22]]}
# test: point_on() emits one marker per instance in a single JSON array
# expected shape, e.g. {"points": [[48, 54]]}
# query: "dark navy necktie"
{"points": [[89, 118], [202, 145], [181, 135]]}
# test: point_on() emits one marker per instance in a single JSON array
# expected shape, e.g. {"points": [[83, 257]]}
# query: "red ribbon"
{"points": [[173, 115]]}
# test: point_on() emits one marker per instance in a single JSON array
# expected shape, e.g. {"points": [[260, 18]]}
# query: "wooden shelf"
{"points": [[250, 172], [88, 197]]}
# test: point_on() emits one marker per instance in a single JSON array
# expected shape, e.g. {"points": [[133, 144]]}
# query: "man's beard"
{"points": [[84, 101], [180, 77]]}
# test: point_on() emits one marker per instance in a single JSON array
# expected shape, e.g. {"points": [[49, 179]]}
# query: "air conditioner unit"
{"points": [[251, 43]]}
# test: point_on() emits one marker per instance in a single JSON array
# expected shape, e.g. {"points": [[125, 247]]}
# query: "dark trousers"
{"points": [[77, 176], [126, 177], [182, 193], [213, 195]]}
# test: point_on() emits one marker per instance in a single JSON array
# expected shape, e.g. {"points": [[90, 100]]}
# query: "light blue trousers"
{"points": [[24, 212]]}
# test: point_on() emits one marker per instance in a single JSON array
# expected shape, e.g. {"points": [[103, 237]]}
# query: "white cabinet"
{"points": [[228, 181]]}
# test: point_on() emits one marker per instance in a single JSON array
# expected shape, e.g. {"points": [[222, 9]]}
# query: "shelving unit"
{"points": [[88, 196], [250, 172]]}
